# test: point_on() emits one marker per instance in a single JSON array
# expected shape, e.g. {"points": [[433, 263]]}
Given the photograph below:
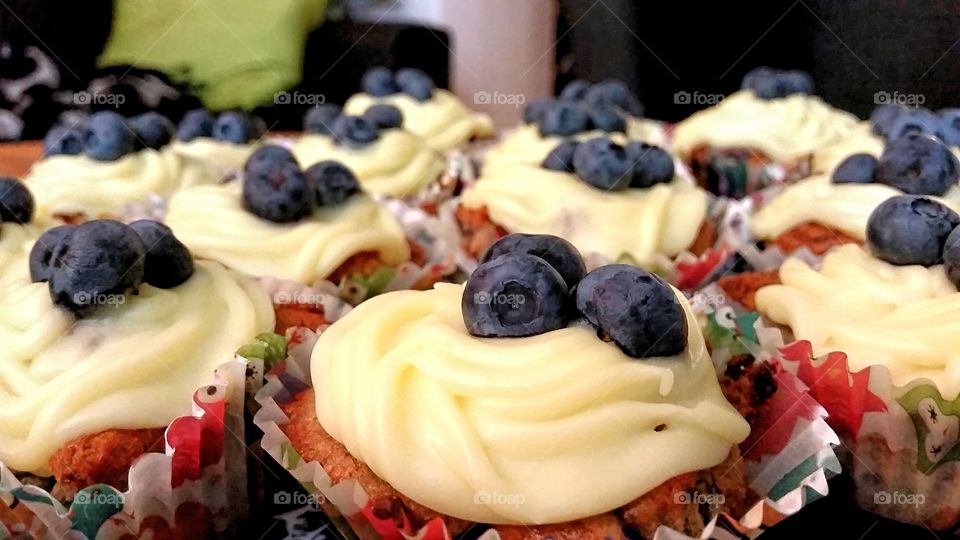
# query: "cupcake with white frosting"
{"points": [[100, 166], [435, 115], [387, 159], [220, 142], [619, 203], [765, 133]]}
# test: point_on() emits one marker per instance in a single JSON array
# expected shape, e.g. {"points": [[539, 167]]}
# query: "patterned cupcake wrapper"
{"points": [[788, 459], [899, 443], [197, 487], [738, 172]]}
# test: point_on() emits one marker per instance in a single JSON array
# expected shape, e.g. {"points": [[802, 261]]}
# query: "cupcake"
{"points": [[84, 398], [437, 116], [765, 133], [98, 167], [222, 142], [308, 227], [825, 210], [488, 412], [582, 111], [618, 203], [873, 340], [387, 159]]}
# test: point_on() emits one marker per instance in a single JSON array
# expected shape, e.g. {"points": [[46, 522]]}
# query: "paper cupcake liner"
{"points": [[198, 487], [788, 462], [899, 443], [738, 172]]}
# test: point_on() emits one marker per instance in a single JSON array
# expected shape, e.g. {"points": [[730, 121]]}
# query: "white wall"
{"points": [[502, 50]]}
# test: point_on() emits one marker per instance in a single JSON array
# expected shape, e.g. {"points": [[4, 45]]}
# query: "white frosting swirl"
{"points": [[442, 121], [458, 423], [398, 163], [782, 128], [212, 222], [78, 184], [842, 207], [524, 144], [640, 223], [132, 366], [901, 317], [221, 158]]}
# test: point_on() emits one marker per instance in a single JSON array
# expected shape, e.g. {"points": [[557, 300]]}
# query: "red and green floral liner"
{"points": [[197, 488], [788, 459], [899, 443]]}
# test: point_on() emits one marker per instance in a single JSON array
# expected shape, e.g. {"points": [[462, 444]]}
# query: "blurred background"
{"points": [[171, 54]]}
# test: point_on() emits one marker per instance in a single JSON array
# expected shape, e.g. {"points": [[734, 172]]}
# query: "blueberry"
{"points": [[920, 121], [233, 126], [918, 165], [602, 163], [908, 229], [535, 111], [152, 130], [16, 201], [563, 118], [514, 296], [379, 82], [384, 116], [634, 309], [415, 83], [267, 156], [651, 164], [355, 131], [332, 182], [558, 253], [613, 93], [606, 119], [168, 261], [561, 157], [768, 83], [575, 90], [277, 190], [796, 82], [951, 257], [109, 138], [50, 246], [196, 123], [883, 116], [855, 169], [950, 126], [100, 258], [320, 119], [65, 140]]}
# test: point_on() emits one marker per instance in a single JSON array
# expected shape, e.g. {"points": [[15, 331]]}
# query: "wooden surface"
{"points": [[16, 158]]}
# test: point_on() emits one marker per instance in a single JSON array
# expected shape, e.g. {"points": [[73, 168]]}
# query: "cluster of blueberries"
{"points": [[910, 229], [352, 131], [83, 264], [768, 83], [893, 121], [275, 188], [582, 106], [381, 82], [916, 164], [108, 136], [531, 284], [604, 164]]}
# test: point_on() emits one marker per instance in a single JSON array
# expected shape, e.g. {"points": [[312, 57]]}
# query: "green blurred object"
{"points": [[234, 53]]}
